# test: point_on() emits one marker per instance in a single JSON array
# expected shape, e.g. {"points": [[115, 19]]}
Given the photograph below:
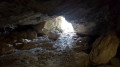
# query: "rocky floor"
{"points": [[44, 52], [69, 50]]}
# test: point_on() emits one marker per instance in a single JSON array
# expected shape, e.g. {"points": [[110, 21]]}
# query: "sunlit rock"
{"points": [[104, 48], [53, 24], [47, 26], [54, 34]]}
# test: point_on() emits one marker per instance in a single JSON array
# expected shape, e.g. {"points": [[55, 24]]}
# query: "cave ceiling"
{"points": [[19, 11]]}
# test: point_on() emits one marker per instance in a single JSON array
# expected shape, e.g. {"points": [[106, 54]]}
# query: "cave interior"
{"points": [[59, 33]]}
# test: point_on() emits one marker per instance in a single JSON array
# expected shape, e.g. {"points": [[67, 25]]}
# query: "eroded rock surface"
{"points": [[104, 48]]}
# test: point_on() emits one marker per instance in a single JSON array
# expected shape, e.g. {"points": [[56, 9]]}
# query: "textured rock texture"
{"points": [[20, 12], [54, 34], [104, 48], [48, 26]]}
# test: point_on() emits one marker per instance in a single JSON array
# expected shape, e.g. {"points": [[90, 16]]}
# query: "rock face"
{"points": [[46, 27], [39, 27], [83, 28], [104, 48]]}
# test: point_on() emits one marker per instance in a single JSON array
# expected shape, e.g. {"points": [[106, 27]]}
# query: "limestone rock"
{"points": [[104, 48], [82, 59], [47, 26]]}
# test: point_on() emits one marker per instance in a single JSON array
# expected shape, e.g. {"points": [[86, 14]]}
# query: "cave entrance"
{"points": [[66, 26], [65, 41]]}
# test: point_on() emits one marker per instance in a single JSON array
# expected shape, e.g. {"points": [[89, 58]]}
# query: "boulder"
{"points": [[47, 26], [54, 34], [104, 48]]}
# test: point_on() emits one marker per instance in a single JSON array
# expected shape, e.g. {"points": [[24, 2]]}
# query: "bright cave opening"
{"points": [[66, 26], [65, 40]]}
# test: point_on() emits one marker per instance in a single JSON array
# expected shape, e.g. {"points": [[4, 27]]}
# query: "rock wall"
{"points": [[84, 28], [20, 12]]}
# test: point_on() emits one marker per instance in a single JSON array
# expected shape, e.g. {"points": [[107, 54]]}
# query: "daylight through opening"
{"points": [[66, 26]]}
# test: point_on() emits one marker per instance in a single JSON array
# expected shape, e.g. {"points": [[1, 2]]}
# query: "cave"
{"points": [[59, 33]]}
